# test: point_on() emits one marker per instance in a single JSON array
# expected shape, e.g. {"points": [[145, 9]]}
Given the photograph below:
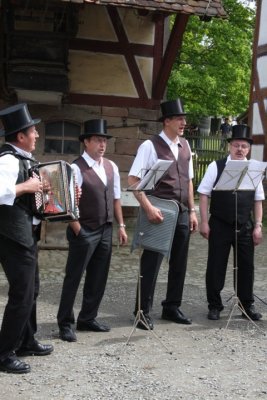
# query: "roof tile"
{"points": [[212, 8]]}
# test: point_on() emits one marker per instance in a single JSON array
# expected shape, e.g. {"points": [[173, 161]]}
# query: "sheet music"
{"points": [[153, 175], [241, 175]]}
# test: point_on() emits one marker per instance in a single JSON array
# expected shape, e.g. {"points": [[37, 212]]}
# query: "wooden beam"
{"points": [[111, 101], [258, 139], [262, 50], [130, 59], [258, 94], [174, 44], [101, 46], [158, 46]]}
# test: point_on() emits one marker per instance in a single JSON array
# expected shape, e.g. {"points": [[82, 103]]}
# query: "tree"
{"points": [[213, 70]]}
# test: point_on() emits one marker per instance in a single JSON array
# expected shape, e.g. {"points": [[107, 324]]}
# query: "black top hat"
{"points": [[95, 127], [171, 109], [240, 132], [15, 119]]}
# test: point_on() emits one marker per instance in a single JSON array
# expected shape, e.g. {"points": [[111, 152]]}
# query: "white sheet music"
{"points": [[153, 175], [241, 175]]}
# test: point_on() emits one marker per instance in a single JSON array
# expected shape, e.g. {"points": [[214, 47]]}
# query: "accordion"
{"points": [[59, 199]]}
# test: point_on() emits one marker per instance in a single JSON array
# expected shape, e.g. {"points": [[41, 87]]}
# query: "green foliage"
{"points": [[213, 70]]}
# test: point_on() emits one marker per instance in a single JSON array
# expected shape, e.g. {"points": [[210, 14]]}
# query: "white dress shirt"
{"points": [[146, 156], [207, 183], [100, 171], [9, 170]]}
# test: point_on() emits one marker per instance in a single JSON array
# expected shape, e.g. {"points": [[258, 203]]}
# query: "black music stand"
{"points": [[145, 185], [237, 176]]}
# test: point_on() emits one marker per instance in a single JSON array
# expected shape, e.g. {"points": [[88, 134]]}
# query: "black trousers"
{"points": [[221, 240], [90, 251], [150, 264], [19, 320]]}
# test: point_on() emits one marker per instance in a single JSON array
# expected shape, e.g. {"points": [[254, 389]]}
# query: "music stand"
{"points": [[240, 175], [146, 184]]}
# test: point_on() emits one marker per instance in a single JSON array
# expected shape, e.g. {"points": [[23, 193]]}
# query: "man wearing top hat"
{"points": [[90, 238], [226, 213], [176, 185], [18, 240]]}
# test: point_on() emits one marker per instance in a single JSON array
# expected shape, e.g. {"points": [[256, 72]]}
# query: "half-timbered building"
{"points": [[72, 60]]}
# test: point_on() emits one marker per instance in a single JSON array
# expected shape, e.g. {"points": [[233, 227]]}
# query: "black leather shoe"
{"points": [[175, 315], [36, 349], [13, 365], [145, 322], [214, 314], [252, 314], [93, 326], [67, 334]]}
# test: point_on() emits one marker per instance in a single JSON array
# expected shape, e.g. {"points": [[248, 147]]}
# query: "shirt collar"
{"points": [[90, 161], [229, 159], [20, 151], [169, 141]]}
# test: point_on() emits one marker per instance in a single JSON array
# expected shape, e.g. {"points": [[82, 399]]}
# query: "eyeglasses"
{"points": [[240, 146]]}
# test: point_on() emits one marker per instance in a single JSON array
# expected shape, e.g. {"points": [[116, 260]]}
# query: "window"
{"points": [[62, 137]]}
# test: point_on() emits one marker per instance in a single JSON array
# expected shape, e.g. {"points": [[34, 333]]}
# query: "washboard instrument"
{"points": [[156, 237], [59, 199]]}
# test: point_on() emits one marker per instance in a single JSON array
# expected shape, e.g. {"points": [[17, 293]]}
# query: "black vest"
{"points": [[227, 205], [16, 220]]}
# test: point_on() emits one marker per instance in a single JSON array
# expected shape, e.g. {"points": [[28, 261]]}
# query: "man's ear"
{"points": [[20, 137]]}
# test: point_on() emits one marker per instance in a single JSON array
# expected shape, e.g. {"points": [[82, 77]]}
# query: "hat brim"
{"points": [[161, 119], [87, 135], [250, 141], [33, 122]]}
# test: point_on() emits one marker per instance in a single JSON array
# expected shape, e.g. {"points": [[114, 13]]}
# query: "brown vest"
{"points": [[175, 183], [97, 201]]}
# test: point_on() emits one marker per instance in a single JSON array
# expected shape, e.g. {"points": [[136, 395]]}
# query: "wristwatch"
{"points": [[122, 226], [258, 223]]}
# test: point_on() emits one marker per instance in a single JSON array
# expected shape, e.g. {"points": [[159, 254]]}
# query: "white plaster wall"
{"points": [[257, 125], [108, 74], [262, 69], [263, 24], [94, 23], [98, 73], [257, 152], [139, 29]]}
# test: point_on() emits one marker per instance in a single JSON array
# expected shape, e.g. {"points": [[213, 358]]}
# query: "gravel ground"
{"points": [[202, 361]]}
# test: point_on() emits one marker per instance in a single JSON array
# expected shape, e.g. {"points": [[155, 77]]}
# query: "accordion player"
{"points": [[59, 199]]}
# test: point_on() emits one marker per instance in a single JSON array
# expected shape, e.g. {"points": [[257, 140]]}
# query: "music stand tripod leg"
{"points": [[259, 298], [236, 302], [139, 317], [239, 305]]}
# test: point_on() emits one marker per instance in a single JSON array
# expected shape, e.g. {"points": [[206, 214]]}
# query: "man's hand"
{"points": [[257, 235], [122, 236], [193, 222], [154, 214], [204, 230], [32, 185], [75, 226]]}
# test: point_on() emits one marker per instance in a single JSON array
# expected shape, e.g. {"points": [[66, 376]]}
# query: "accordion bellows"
{"points": [[59, 199]]}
